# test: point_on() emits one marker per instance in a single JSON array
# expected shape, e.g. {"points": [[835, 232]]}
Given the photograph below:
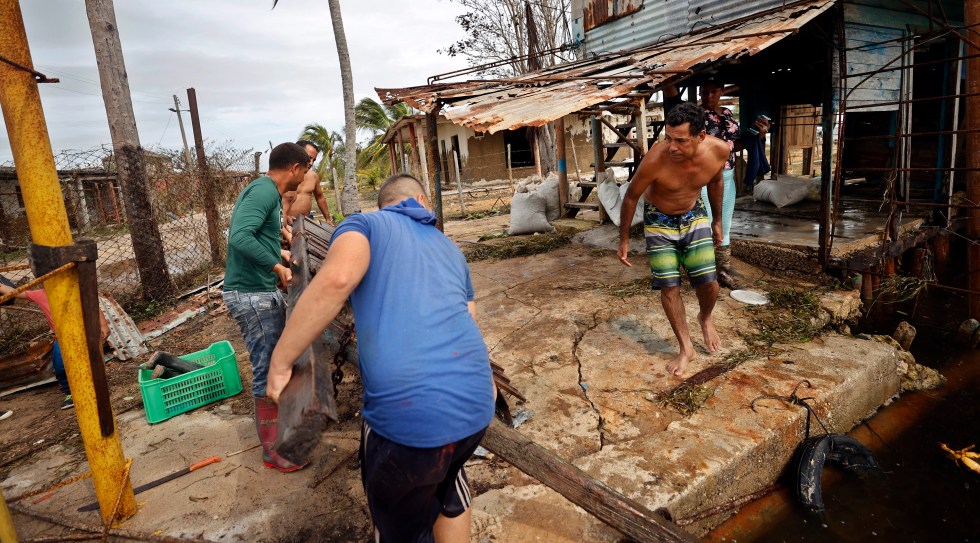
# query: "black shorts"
{"points": [[408, 487]]}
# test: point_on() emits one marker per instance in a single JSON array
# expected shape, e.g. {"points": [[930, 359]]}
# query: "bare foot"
{"points": [[711, 339], [679, 363]]}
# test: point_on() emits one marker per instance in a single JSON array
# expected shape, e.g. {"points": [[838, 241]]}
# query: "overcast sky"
{"points": [[260, 75]]}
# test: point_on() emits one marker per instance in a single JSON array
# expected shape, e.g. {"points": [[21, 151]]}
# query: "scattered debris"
{"points": [[514, 247], [904, 334]]}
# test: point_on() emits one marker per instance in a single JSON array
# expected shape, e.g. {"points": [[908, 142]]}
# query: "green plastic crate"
{"points": [[218, 379]]}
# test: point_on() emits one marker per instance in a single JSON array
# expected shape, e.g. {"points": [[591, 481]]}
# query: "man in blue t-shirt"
{"points": [[428, 387]]}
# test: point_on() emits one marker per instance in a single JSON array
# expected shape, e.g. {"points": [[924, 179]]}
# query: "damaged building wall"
{"points": [[635, 23], [483, 156]]}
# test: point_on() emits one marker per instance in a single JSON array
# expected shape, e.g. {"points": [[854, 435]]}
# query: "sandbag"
{"points": [[528, 214], [781, 192], [549, 190], [611, 199]]}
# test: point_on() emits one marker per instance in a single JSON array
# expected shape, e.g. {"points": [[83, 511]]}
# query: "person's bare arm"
{"points": [[342, 270], [471, 307], [321, 202], [641, 180], [104, 326], [5, 290]]}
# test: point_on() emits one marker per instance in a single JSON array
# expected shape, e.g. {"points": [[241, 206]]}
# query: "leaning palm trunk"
{"points": [[349, 203]]}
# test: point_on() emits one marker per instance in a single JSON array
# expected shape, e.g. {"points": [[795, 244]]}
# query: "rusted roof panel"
{"points": [[597, 12], [538, 97]]}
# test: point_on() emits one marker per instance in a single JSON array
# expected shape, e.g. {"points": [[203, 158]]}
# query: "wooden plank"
{"points": [[625, 515], [307, 403]]}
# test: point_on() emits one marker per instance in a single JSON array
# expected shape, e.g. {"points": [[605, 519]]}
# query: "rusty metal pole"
{"points": [[207, 186], [971, 16], [48, 219], [562, 165]]}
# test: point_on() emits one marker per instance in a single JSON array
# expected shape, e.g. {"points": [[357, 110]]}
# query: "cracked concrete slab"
{"points": [[592, 365]]}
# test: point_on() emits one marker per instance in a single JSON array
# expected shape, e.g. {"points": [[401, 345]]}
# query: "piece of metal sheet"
{"points": [[125, 338], [538, 97]]}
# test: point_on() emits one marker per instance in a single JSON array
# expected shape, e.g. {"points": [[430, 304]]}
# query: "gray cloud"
{"points": [[260, 75]]}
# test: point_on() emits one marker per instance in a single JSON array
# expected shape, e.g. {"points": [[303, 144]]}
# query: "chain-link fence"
{"points": [[96, 203]]}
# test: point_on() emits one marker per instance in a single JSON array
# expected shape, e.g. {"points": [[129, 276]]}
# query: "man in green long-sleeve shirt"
{"points": [[253, 268]]}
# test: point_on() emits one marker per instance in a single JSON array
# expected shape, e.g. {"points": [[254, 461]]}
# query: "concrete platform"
{"points": [[584, 340], [591, 365]]}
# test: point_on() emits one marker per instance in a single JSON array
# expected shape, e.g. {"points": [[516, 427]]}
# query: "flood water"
{"points": [[921, 495]]}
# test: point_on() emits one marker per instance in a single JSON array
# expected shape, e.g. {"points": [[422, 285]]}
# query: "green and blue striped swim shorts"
{"points": [[675, 240]]}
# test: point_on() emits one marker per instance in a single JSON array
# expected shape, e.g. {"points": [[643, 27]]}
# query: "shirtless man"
{"points": [[675, 222], [299, 202]]}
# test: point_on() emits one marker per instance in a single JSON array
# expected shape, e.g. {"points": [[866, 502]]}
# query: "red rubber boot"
{"points": [[266, 422]]}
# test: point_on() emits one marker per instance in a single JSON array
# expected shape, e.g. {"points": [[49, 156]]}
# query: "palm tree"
{"points": [[351, 203], [331, 144], [375, 119]]}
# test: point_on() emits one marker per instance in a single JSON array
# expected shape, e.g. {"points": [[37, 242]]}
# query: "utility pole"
{"points": [[971, 18], [206, 184], [183, 135], [130, 163]]}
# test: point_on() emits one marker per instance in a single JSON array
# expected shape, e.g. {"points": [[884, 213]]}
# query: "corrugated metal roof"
{"points": [[536, 98]]}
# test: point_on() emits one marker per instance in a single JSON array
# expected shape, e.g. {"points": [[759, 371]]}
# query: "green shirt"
{"points": [[253, 238]]}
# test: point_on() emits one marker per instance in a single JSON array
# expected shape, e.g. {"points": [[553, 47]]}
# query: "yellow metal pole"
{"points": [[7, 533], [48, 219]]}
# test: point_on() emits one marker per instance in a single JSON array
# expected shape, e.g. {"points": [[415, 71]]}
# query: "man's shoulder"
{"points": [[718, 148]]}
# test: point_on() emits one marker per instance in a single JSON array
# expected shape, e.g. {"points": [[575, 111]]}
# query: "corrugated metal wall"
{"points": [[659, 19]]}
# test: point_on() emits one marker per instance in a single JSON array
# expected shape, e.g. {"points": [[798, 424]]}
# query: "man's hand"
{"points": [[717, 234], [329, 220], [287, 233], [289, 220], [277, 381], [762, 126], [623, 252], [286, 256], [285, 274]]}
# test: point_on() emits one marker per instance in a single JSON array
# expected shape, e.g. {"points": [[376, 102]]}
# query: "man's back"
{"points": [[426, 373]]}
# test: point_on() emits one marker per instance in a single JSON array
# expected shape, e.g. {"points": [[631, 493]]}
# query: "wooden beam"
{"points": [[609, 506]]}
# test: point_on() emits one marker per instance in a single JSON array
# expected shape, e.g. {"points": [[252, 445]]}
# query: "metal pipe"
{"points": [[914, 100], [971, 16], [48, 219]]}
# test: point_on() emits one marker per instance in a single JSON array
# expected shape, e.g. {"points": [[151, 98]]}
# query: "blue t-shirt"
{"points": [[425, 367]]}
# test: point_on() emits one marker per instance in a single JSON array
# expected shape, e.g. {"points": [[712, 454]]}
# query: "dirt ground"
{"points": [[572, 328]]}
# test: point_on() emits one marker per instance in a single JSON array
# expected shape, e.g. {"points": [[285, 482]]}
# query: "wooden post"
{"points": [[562, 164], [211, 213], [971, 129], [420, 157], [510, 169], [130, 163], [258, 163], [956, 125], [401, 150], [599, 165], [432, 134], [416, 160], [391, 158], [537, 153], [183, 134], [826, 175], [641, 130], [626, 515], [459, 183], [578, 171]]}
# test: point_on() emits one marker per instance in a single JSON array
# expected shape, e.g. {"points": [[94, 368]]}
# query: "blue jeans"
{"points": [[58, 365], [261, 316]]}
